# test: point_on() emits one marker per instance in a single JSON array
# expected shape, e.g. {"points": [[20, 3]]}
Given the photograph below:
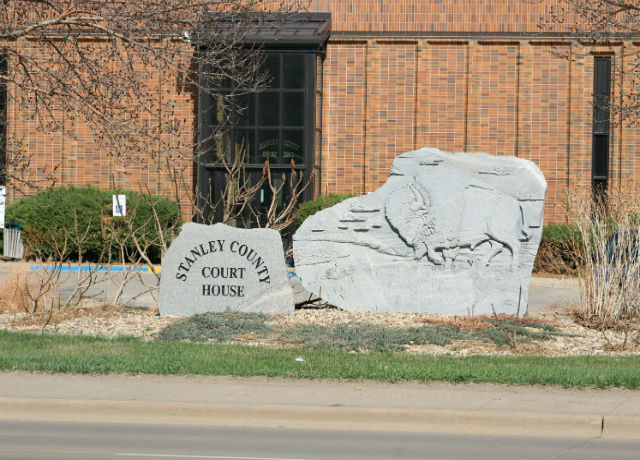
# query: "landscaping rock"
{"points": [[217, 267], [447, 233]]}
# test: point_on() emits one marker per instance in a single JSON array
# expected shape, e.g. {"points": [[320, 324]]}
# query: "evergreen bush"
{"points": [[48, 218], [309, 208], [561, 233]]}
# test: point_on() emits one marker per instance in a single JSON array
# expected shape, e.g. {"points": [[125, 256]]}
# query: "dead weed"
{"points": [[482, 322], [56, 316], [26, 291]]}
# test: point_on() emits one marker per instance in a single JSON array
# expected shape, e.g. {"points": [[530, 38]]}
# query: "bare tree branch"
{"points": [[602, 24]]}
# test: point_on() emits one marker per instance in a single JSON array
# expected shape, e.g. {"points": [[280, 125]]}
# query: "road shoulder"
{"points": [[263, 402]]}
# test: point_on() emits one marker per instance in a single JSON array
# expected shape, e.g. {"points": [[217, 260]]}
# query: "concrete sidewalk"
{"points": [[262, 402], [546, 295]]}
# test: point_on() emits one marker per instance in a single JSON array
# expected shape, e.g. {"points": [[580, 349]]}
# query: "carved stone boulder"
{"points": [[212, 268], [447, 233]]}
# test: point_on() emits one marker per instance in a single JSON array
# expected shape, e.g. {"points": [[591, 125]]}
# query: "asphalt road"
{"points": [[99, 441]]}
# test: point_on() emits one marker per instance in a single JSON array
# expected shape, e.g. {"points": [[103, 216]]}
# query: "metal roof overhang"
{"points": [[309, 29]]}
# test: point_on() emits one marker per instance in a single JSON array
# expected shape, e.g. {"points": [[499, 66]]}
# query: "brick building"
{"points": [[376, 78]]}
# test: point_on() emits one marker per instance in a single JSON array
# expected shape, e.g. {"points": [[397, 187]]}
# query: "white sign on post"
{"points": [[3, 193], [119, 205]]}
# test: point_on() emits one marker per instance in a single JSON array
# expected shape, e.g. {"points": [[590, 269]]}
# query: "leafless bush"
{"points": [[558, 258], [134, 240], [238, 203], [609, 234]]}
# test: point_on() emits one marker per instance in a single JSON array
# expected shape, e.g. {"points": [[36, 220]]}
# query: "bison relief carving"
{"points": [[488, 216], [452, 233]]}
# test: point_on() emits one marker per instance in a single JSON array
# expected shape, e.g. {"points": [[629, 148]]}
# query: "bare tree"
{"points": [[607, 24], [70, 62]]}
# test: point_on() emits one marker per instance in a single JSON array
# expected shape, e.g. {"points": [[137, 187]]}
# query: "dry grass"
{"points": [[11, 300], [57, 316], [32, 296], [481, 322], [610, 275], [26, 291]]}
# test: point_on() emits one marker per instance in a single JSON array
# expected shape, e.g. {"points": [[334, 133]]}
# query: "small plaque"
{"points": [[119, 205]]}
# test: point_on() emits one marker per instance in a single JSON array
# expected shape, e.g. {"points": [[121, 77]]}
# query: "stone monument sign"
{"points": [[447, 233], [212, 268]]}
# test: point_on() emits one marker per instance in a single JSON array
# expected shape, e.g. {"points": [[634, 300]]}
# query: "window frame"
{"points": [[306, 128], [208, 171]]}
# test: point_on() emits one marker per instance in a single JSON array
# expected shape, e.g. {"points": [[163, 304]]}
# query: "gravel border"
{"points": [[113, 322]]}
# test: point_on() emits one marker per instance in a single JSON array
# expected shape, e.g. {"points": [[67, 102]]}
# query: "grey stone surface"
{"points": [[447, 233], [215, 267]]}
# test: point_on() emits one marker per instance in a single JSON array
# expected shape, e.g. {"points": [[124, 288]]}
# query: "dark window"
{"points": [[293, 71], [246, 110], [275, 123], [601, 128], [272, 66], [600, 167], [272, 122], [293, 109]]}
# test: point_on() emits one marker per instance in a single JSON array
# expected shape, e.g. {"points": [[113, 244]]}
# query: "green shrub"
{"points": [[561, 233], [49, 222], [309, 208], [230, 326], [217, 327]]}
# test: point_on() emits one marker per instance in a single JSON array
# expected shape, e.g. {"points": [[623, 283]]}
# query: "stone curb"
{"points": [[322, 417]]}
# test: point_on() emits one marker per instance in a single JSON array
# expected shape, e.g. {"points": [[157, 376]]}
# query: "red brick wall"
{"points": [[516, 97], [438, 16], [391, 83], [76, 157], [391, 73], [441, 105], [344, 106], [493, 98]]}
